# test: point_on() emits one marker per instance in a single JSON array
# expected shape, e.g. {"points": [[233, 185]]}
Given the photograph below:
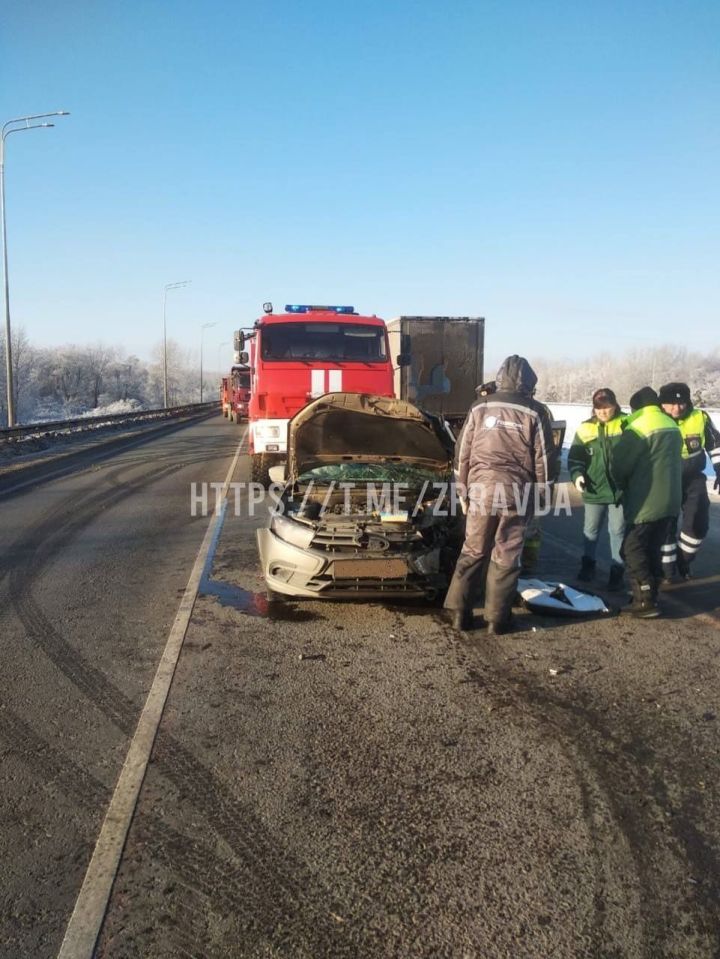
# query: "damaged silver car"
{"points": [[366, 508]]}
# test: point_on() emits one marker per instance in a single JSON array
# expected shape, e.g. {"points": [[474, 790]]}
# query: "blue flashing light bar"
{"points": [[298, 308]]}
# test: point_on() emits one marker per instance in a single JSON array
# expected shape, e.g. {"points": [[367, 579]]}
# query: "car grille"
{"points": [[344, 537]]}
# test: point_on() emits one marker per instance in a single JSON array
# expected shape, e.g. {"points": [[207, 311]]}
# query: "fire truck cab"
{"points": [[239, 392], [300, 354]]}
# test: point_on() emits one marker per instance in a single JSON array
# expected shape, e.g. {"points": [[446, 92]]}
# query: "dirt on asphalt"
{"points": [[355, 780]]}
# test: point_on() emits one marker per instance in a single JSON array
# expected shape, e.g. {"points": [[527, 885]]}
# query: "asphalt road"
{"points": [[337, 780]]}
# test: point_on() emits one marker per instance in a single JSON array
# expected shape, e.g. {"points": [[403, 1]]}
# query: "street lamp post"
{"points": [[168, 286], [7, 129], [205, 326]]}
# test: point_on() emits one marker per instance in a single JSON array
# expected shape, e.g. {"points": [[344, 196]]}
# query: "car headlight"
{"points": [[292, 532]]}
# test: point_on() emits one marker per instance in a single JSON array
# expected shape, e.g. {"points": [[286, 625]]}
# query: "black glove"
{"points": [[716, 484]]}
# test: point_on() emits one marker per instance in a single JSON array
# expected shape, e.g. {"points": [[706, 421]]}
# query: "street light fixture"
{"points": [[7, 129], [205, 326], [168, 286]]}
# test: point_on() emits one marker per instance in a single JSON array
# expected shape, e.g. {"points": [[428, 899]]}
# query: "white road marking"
{"points": [[85, 923]]}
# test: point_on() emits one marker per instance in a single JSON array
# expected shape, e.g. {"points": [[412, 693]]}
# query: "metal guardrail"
{"points": [[82, 424]]}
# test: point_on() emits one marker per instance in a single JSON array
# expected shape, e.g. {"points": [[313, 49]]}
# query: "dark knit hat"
{"points": [[644, 397], [675, 393], [604, 398]]}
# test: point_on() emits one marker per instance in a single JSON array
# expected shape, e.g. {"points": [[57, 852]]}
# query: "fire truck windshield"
{"points": [[324, 341]]}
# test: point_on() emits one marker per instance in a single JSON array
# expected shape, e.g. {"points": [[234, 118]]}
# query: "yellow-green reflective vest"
{"points": [[692, 428], [589, 430]]}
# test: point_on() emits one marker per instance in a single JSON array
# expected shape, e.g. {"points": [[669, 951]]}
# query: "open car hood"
{"points": [[360, 428]]}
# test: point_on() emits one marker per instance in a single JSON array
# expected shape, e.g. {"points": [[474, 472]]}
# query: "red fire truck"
{"points": [[239, 392], [299, 355]]}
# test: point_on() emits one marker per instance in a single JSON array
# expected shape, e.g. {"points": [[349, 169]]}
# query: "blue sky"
{"points": [[551, 166]]}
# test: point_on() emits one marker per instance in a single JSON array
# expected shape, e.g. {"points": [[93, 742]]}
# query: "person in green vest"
{"points": [[589, 462], [646, 468], [699, 437]]}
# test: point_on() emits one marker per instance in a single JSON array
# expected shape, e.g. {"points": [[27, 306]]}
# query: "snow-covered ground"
{"points": [[113, 409], [53, 412]]}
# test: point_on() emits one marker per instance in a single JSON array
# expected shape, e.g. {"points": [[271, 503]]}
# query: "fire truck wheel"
{"points": [[260, 469]]}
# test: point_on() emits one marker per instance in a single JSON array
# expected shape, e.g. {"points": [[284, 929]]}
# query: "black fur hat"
{"points": [[675, 393]]}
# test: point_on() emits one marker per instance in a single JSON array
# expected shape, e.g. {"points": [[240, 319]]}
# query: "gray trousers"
{"points": [[490, 557]]}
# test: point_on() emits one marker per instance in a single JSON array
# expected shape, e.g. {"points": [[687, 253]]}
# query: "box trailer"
{"points": [[438, 362]]}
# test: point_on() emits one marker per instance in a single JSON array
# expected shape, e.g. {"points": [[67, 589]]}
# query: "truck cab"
{"points": [[303, 353], [239, 392]]}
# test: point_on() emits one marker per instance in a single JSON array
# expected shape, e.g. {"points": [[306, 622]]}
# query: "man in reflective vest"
{"points": [[699, 436], [646, 467], [589, 464]]}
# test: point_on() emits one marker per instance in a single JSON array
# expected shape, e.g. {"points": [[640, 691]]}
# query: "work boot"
{"points": [[617, 574], [499, 629], [500, 591], [460, 619], [644, 603], [587, 570], [683, 565]]}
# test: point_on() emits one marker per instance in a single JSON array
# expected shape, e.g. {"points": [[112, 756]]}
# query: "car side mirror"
{"points": [[278, 473], [403, 359], [244, 358]]}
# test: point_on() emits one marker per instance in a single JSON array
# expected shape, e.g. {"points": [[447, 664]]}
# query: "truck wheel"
{"points": [[259, 469]]}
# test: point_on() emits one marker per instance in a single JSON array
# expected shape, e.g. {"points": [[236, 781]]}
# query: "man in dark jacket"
{"points": [[505, 452], [646, 467], [699, 436], [589, 464]]}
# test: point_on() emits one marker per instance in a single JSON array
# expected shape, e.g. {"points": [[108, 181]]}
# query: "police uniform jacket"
{"points": [[699, 436]]}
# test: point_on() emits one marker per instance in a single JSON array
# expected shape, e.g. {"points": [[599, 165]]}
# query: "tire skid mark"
{"points": [[271, 866], [618, 768], [502, 688], [38, 545], [222, 883], [44, 759]]}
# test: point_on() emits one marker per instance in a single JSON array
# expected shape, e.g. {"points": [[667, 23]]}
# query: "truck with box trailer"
{"points": [[439, 362]]}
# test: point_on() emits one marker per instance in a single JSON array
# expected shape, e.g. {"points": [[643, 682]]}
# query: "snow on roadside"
{"points": [[114, 409]]}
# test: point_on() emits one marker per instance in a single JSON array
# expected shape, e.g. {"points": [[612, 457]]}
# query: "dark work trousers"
{"points": [[694, 525], [494, 539], [642, 548]]}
